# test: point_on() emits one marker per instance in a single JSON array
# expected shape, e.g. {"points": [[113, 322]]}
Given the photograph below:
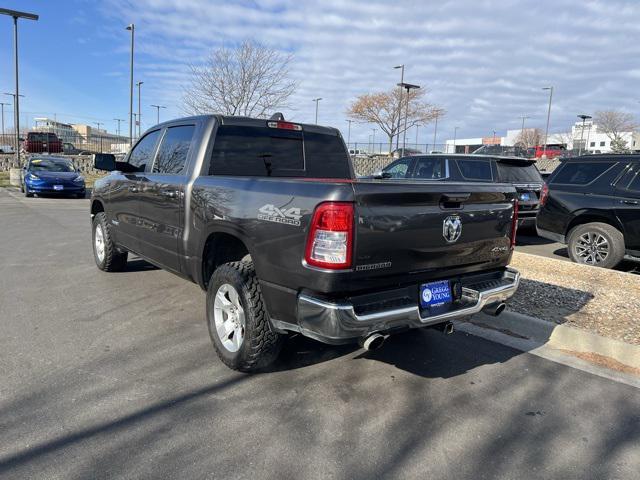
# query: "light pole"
{"points": [[2, 104], [417, 127], [349, 132], [118, 120], [317, 100], [99, 133], [494, 137], [399, 103], [16, 110], [546, 131], [132, 28], [139, 84], [584, 119], [158, 107], [17, 137], [435, 131], [455, 135], [373, 139], [523, 117], [409, 87]]}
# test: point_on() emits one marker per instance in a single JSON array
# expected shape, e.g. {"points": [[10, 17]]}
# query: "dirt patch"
{"points": [[603, 361], [605, 302]]}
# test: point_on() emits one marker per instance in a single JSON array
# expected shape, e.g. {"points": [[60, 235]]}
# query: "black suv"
{"points": [[592, 204], [519, 172]]}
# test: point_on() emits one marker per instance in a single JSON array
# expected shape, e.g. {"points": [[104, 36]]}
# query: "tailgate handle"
{"points": [[453, 200]]}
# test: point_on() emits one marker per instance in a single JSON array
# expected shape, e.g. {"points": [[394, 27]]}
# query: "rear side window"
{"points": [[518, 173], [173, 151], [398, 169], [263, 151], [142, 153], [575, 173], [429, 169], [634, 186], [475, 169]]}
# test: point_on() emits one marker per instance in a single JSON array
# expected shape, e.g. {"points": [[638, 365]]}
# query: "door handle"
{"points": [[170, 193], [630, 202], [133, 189]]}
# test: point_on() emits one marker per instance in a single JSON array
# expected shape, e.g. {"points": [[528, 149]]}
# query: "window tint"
{"points": [[398, 169], [634, 186], [172, 154], [142, 153], [518, 173], [257, 151], [326, 156], [575, 173], [429, 168], [475, 169]]}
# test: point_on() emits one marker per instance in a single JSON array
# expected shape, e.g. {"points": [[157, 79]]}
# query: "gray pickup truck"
{"points": [[268, 217]]}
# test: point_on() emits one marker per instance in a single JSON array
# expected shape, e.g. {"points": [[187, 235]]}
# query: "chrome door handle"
{"points": [[133, 189], [170, 193], [630, 202]]}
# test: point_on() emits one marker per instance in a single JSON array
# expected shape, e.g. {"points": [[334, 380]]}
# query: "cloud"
{"points": [[484, 62]]}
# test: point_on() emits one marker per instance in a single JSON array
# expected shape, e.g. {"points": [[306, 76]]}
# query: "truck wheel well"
{"points": [[96, 207], [590, 218], [221, 248]]}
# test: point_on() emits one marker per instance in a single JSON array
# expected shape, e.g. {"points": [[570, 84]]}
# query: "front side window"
{"points": [[142, 153], [173, 151], [429, 168], [575, 173], [399, 169], [476, 170]]}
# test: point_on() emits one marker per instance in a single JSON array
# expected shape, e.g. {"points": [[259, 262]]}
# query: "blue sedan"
{"points": [[52, 175]]}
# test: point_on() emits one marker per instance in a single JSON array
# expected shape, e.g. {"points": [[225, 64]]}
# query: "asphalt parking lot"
{"points": [[113, 375]]}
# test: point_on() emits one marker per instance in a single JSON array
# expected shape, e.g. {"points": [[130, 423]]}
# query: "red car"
{"points": [[42, 142], [552, 151]]}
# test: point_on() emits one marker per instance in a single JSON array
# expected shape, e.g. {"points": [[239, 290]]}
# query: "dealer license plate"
{"points": [[58, 187], [435, 294]]}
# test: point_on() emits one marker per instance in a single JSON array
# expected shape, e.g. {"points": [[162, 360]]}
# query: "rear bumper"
{"points": [[337, 323]]}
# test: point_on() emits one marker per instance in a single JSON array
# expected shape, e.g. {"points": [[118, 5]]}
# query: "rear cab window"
{"points": [[479, 170], [240, 150], [577, 173]]}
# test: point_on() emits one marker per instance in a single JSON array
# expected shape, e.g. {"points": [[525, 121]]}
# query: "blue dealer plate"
{"points": [[435, 294], [58, 187]]}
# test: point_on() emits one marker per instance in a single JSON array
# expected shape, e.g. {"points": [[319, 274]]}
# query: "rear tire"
{"points": [[597, 244], [238, 322], [105, 251]]}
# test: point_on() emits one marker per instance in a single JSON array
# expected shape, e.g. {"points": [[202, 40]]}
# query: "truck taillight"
{"points": [[330, 240], [544, 194], [514, 223]]}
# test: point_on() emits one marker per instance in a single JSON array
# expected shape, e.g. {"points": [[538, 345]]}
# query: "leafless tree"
{"points": [[614, 123], [250, 80], [529, 137], [383, 109]]}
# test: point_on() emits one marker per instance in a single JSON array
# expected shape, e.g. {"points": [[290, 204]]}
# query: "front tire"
{"points": [[105, 251], [596, 244], [238, 322]]}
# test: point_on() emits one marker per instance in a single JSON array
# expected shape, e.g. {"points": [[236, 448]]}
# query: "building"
{"points": [[82, 136]]}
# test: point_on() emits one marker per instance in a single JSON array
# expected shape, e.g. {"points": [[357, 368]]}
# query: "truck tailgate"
{"points": [[405, 227]]}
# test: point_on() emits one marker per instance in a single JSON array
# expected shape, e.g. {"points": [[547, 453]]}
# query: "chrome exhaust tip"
{"points": [[373, 341], [495, 309]]}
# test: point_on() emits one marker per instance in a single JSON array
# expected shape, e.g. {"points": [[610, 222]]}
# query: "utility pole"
{"points": [[317, 100], [118, 120], [158, 107], [99, 133], [16, 99], [132, 28], [546, 132], [409, 87], [417, 127], [435, 132], [2, 104], [139, 84], [349, 134], [523, 117], [399, 104], [455, 134], [373, 139]]}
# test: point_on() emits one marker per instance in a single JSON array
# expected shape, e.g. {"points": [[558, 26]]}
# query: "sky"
{"points": [[484, 62]]}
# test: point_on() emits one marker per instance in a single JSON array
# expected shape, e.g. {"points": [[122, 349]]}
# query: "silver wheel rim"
{"points": [[592, 248], [99, 243], [228, 316]]}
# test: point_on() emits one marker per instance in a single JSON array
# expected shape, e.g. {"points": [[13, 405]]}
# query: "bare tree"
{"points": [[382, 109], [529, 137], [250, 80], [614, 124]]}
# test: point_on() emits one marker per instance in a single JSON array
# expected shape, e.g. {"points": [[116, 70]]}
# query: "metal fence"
{"points": [[72, 144]]}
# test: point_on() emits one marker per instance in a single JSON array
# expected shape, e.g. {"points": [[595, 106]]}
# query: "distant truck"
{"points": [[42, 142], [268, 217]]}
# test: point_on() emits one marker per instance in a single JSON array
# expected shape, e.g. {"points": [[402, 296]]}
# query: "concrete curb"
{"points": [[541, 332]]}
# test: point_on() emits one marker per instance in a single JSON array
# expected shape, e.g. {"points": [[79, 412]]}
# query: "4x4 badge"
{"points": [[452, 228]]}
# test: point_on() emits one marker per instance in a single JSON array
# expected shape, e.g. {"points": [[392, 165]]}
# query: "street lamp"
{"points": [[2, 104], [455, 135], [409, 87], [139, 84], [399, 103], [584, 119], [373, 139], [546, 131], [523, 117], [132, 28], [158, 107], [349, 133], [119, 120], [417, 127], [435, 131], [99, 133], [17, 138], [316, 100], [16, 110]]}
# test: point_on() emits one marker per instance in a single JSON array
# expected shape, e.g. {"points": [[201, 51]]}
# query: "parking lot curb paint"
{"points": [[564, 337]]}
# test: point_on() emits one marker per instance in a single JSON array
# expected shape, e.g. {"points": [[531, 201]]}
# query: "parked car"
{"points": [[7, 149], [519, 172], [592, 204], [52, 175], [268, 218], [70, 149], [42, 142]]}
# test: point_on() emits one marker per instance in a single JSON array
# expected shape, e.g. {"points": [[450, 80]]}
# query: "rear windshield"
{"points": [[518, 173], [50, 165], [263, 151]]}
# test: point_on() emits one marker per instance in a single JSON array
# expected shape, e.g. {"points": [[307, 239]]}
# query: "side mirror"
{"points": [[104, 161], [377, 174]]}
